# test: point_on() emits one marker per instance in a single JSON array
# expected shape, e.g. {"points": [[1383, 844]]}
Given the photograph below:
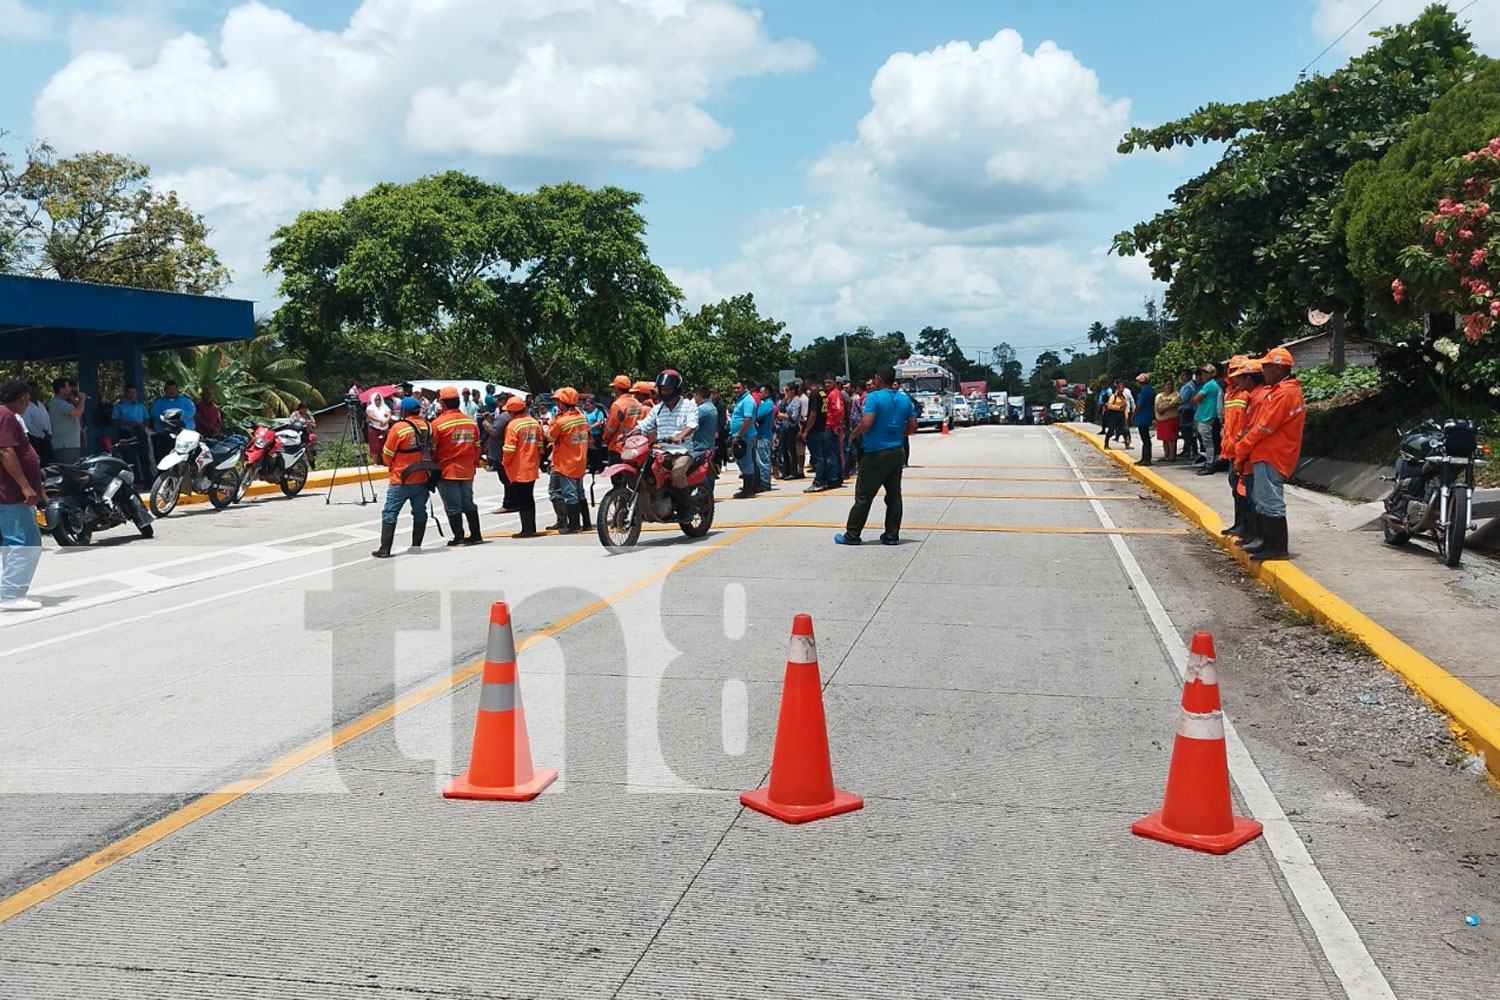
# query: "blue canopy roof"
{"points": [[43, 319]]}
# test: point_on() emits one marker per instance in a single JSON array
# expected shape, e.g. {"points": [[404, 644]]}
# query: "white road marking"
{"points": [[1342, 946]]}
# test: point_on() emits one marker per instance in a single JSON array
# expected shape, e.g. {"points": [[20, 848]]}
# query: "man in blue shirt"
{"points": [[707, 434], [765, 429], [888, 418], [129, 418], [1187, 392], [1145, 412], [1205, 411], [742, 435], [171, 399]]}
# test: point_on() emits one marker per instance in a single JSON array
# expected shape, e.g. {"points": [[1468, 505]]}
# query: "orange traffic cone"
{"points": [[801, 786], [1198, 812], [945, 425], [500, 763]]}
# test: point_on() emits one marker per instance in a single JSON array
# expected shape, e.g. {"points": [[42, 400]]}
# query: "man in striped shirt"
{"points": [[673, 422]]}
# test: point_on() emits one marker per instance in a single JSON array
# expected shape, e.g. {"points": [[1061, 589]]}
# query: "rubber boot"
{"points": [[746, 489], [418, 532], [1259, 530], [528, 524], [561, 510], [387, 539], [1239, 527], [1276, 541], [570, 526], [476, 536], [456, 525], [583, 513]]}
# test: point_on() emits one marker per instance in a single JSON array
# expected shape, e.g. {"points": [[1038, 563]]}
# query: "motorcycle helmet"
{"points": [[171, 421], [669, 383]]}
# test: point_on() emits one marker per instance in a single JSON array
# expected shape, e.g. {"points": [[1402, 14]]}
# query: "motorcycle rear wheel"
{"points": [[610, 520], [703, 512], [224, 488], [1392, 536], [1451, 539], [72, 529], [165, 493], [295, 478]]}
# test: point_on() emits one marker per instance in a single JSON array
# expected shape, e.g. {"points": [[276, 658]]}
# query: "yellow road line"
{"points": [[212, 802], [1025, 479], [1474, 719], [1018, 529], [951, 496]]}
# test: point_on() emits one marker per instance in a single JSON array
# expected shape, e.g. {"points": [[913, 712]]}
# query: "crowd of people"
{"points": [[1247, 421], [813, 426]]}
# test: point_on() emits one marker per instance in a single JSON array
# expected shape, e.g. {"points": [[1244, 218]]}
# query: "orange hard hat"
{"points": [[645, 387], [620, 382], [515, 404], [1277, 356], [447, 392], [567, 396]]}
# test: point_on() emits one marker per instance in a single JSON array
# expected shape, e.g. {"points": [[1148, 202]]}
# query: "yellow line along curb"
{"points": [[1474, 719]]}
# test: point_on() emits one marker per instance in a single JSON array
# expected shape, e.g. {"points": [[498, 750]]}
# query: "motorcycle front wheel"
{"points": [[73, 528], [617, 529], [165, 493], [702, 499], [224, 488], [1451, 538], [295, 478]]}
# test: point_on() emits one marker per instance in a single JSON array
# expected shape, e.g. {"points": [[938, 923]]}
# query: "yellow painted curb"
{"points": [[316, 481], [1474, 719]]}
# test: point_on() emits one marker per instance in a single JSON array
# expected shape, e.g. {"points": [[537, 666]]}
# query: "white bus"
{"points": [[931, 386]]}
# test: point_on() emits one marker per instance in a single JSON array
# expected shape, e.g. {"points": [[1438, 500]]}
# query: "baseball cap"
{"points": [[643, 387], [409, 404], [620, 382], [515, 404], [1143, 377], [1277, 356], [567, 395], [448, 392]]}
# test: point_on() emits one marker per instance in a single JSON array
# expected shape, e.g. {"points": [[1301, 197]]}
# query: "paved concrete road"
{"points": [[1002, 688]]}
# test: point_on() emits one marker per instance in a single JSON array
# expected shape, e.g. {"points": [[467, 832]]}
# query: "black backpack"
{"points": [[422, 443]]}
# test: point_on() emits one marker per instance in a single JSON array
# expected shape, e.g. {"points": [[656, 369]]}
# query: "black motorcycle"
{"points": [[1433, 489], [96, 494]]}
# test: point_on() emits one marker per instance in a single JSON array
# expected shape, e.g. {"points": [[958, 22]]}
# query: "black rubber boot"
{"points": [[570, 527], [1239, 527], [476, 535], [583, 514], [1276, 541], [418, 532], [560, 509], [387, 539], [456, 525], [746, 489], [528, 524], [1258, 532]]}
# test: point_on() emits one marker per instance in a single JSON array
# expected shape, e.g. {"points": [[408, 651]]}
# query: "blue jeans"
{"points": [[398, 496], [818, 444], [835, 451], [569, 491], [763, 460], [1267, 488], [21, 541], [458, 496]]}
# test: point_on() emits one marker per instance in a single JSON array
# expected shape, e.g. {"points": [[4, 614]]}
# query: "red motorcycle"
{"points": [[281, 455], [642, 492]]}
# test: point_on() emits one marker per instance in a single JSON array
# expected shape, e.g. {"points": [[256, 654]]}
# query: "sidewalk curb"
{"points": [[316, 481], [1474, 719]]}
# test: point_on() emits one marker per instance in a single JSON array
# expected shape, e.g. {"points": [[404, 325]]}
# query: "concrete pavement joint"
{"points": [[1475, 720], [212, 802], [1341, 944]]}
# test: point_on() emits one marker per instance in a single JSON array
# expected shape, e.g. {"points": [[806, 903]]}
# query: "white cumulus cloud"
{"points": [[946, 208], [1332, 17], [564, 81]]}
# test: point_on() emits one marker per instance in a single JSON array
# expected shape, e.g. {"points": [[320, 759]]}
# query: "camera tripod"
{"points": [[361, 464]]}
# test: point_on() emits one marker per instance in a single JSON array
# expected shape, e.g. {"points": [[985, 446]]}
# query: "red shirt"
{"points": [[208, 420], [13, 436]]}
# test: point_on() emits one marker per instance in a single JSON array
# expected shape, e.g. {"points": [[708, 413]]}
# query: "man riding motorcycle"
{"points": [[672, 424]]}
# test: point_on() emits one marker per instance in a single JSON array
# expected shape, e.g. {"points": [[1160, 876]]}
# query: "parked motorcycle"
{"points": [[196, 465], [96, 494], [642, 492], [281, 455], [1433, 489]]}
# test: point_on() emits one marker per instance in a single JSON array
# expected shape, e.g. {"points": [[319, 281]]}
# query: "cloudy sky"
{"points": [[876, 162]]}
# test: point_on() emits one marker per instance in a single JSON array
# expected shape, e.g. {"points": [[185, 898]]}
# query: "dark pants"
{"points": [[521, 498], [1189, 433], [877, 470], [43, 448], [1145, 433]]}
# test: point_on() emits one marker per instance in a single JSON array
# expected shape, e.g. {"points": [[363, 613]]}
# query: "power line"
{"points": [[1351, 27]]}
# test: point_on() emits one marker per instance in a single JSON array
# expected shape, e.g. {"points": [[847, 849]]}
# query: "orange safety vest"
{"points": [[1236, 404], [624, 414], [522, 454], [401, 450], [455, 444], [570, 443], [1275, 428]]}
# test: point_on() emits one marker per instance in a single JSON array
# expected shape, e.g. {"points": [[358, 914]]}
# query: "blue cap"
{"points": [[409, 404]]}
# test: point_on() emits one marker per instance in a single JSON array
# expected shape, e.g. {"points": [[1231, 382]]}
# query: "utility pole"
{"points": [[846, 355]]}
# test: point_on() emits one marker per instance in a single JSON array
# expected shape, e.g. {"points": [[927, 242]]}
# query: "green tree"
{"points": [[1099, 334], [1385, 201], [757, 347], [474, 278], [1247, 245], [96, 217], [250, 379], [1048, 365], [866, 350]]}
